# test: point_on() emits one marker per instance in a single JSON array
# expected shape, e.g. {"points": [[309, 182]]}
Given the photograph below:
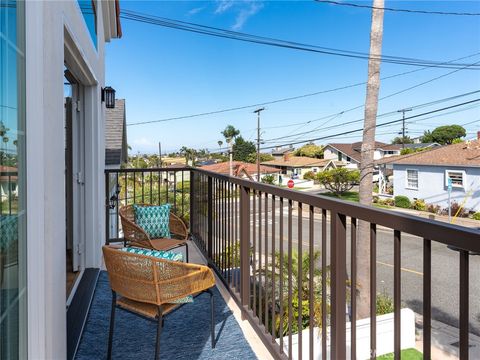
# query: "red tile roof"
{"points": [[224, 168]]}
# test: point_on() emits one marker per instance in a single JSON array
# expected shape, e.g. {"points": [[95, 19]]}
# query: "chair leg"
{"points": [[112, 324], [159, 333], [212, 317], [186, 251]]}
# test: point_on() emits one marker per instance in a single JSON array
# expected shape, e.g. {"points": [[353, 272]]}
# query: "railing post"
{"points": [[192, 201], [210, 218], [338, 258], [244, 247], [107, 209]]}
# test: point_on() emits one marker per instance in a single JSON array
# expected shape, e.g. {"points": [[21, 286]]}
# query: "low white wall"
{"points": [[385, 326]]}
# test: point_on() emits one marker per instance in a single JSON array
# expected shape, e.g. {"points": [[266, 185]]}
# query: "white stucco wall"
{"points": [[432, 188], [51, 26]]}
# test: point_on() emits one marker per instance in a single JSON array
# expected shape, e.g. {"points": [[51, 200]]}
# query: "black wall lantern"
{"points": [[108, 96]]}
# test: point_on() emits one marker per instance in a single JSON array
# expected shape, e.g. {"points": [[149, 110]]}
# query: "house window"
{"points": [[348, 159], [412, 179], [315, 170], [89, 12], [13, 211], [457, 177], [339, 157]]}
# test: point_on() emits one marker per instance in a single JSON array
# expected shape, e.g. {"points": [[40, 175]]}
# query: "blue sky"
{"points": [[165, 73]]}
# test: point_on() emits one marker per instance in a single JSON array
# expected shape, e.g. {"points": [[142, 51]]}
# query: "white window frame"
{"points": [[407, 186], [447, 176]]}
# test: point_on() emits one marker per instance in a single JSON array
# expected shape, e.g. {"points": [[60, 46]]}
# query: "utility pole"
{"points": [[258, 111], [403, 111], [159, 154]]}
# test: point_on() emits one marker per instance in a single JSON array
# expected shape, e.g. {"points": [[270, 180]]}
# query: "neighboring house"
{"points": [[116, 150], [426, 174], [8, 182], [296, 166], [116, 147], [279, 152], [350, 153], [52, 56], [242, 169]]}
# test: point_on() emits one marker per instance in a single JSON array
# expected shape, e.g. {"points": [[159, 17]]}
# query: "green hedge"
{"points": [[402, 202]]}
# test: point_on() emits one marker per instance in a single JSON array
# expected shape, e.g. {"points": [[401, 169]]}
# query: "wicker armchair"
{"points": [[136, 236], [147, 286]]}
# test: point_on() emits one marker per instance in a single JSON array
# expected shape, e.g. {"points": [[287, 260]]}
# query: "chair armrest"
{"points": [[177, 280], [134, 233]]}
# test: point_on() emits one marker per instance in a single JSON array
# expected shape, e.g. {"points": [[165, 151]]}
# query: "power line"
{"points": [[377, 126], [398, 10], [234, 35], [384, 114], [345, 87]]}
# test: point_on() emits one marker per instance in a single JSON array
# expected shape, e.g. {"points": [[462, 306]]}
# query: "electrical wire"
{"points": [[345, 87], [235, 35], [439, 101], [398, 10], [377, 126]]}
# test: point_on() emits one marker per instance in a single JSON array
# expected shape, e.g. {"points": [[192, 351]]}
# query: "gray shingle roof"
{"points": [[116, 151]]}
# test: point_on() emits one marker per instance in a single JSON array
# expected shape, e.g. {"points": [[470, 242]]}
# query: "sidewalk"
{"points": [[458, 221], [445, 340]]}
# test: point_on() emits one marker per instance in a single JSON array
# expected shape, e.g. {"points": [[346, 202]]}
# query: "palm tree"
{"points": [[220, 143], [367, 150], [230, 133]]}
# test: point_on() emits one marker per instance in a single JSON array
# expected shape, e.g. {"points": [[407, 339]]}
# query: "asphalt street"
{"points": [[445, 267]]}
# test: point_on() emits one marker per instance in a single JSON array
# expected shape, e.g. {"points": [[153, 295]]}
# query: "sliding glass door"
{"points": [[13, 317]]}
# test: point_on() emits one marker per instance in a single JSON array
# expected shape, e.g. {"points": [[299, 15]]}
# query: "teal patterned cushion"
{"points": [[166, 255], [8, 230], [154, 220]]}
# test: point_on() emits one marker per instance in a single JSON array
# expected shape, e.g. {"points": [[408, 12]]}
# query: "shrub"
{"points": [[476, 216], [434, 209], [376, 199], [384, 304], [268, 179], [309, 175], [402, 202], [387, 202], [419, 204], [456, 210]]}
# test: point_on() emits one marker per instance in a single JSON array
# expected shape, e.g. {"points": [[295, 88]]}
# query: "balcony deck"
{"points": [[186, 333]]}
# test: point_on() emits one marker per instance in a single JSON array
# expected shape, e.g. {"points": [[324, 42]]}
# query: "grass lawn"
{"points": [[349, 196], [353, 196], [407, 354]]}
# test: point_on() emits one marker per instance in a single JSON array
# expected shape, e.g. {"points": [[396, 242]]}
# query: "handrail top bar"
{"points": [[448, 234], [137, 170]]}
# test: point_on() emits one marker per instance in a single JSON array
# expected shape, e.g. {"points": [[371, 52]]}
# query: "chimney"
{"points": [[287, 156], [478, 135]]}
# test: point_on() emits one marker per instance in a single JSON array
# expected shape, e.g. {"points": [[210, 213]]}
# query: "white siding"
{"points": [[432, 187], [55, 29]]}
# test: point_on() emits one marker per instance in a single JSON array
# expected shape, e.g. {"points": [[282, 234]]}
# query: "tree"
{"points": [[252, 158], [242, 149], [402, 140], [366, 162], [220, 143], [444, 134], [310, 150], [338, 180]]}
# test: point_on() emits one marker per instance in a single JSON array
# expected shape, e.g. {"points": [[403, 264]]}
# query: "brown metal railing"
{"points": [[282, 254], [139, 186]]}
